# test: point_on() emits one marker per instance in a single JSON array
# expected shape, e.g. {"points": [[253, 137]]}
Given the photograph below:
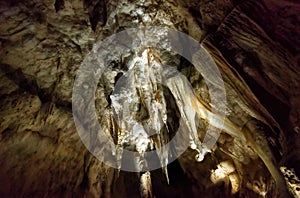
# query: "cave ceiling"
{"points": [[254, 44]]}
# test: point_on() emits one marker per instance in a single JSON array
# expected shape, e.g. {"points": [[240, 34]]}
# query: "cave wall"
{"points": [[255, 44]]}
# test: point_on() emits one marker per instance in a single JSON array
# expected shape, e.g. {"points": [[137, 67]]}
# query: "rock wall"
{"points": [[254, 43]]}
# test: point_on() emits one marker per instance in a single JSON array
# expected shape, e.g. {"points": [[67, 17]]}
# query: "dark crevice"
{"points": [[16, 75], [78, 48], [6, 134], [59, 5], [86, 164], [30, 85], [180, 185], [42, 136], [194, 11], [124, 182], [97, 12]]}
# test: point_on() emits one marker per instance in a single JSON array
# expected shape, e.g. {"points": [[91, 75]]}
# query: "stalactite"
{"points": [[43, 44], [145, 185]]}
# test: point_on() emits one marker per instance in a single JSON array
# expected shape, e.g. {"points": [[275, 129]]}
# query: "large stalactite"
{"points": [[255, 45]]}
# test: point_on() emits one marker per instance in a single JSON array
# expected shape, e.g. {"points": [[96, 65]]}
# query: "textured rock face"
{"points": [[254, 44]]}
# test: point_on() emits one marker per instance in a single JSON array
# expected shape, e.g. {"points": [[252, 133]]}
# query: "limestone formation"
{"points": [[255, 45]]}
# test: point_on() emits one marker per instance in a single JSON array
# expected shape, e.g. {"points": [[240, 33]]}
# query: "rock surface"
{"points": [[255, 44]]}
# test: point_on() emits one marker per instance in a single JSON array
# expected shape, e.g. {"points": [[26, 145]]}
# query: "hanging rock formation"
{"points": [[255, 45]]}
